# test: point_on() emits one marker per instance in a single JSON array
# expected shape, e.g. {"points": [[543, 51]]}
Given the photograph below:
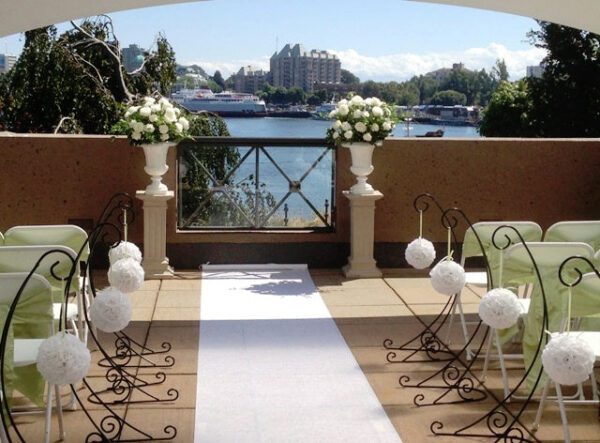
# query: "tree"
{"points": [[508, 113], [349, 78], [499, 71], [79, 76], [566, 100], [449, 98], [218, 79]]}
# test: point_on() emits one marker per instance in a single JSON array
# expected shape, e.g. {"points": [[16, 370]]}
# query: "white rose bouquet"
{"points": [[153, 121], [361, 120]]}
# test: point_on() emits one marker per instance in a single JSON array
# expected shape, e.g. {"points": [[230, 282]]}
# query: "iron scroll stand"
{"points": [[427, 341], [123, 365], [503, 425], [456, 375], [130, 353], [123, 380]]}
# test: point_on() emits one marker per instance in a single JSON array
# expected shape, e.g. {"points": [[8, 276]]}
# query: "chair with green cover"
{"points": [[30, 324], [56, 268], [71, 236], [471, 248], [517, 267], [585, 231], [585, 300]]}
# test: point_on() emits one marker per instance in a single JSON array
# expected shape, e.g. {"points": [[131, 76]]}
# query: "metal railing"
{"points": [[256, 184]]}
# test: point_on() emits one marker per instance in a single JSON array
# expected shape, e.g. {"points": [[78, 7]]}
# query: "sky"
{"points": [[379, 40]]}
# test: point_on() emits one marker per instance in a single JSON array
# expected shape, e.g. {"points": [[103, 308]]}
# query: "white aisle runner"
{"points": [[273, 367]]}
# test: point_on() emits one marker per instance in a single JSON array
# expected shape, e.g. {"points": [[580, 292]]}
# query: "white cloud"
{"points": [[402, 66], [229, 67]]}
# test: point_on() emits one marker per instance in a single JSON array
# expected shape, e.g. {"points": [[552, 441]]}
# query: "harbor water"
{"points": [[296, 163]]}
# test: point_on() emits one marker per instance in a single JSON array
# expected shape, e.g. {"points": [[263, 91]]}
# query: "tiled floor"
{"points": [[367, 311]]}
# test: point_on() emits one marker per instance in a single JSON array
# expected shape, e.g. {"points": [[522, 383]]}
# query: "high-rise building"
{"points": [[133, 57], [294, 66], [535, 71], [250, 80], [7, 62]]}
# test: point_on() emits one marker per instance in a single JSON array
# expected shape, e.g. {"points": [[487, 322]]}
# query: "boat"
{"points": [[436, 133], [225, 104], [322, 111]]}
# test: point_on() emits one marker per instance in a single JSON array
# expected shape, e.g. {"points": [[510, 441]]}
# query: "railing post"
{"points": [[155, 263], [362, 235]]}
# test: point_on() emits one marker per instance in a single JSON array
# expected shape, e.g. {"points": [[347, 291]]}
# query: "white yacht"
{"points": [[227, 104]]}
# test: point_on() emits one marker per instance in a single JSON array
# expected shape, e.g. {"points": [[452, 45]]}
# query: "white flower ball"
{"points": [[374, 127], [357, 114], [360, 127], [367, 137], [567, 359], [149, 101], [149, 128], [163, 129], [164, 137], [335, 135], [63, 359], [348, 134], [124, 249], [336, 124], [377, 111], [136, 135], [346, 126], [145, 111], [170, 116], [111, 310], [387, 126], [343, 110], [420, 253], [155, 107], [126, 275], [447, 277], [499, 308], [153, 118]]}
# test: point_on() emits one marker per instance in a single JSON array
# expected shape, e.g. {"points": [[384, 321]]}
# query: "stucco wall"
{"points": [[54, 179]]}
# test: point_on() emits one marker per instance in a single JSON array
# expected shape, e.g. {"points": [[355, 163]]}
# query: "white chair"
{"points": [[518, 266], [586, 300], [585, 231], [23, 259], [26, 349], [71, 236], [471, 248]]}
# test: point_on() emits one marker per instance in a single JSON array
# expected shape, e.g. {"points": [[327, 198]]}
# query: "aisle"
{"points": [[272, 365]]}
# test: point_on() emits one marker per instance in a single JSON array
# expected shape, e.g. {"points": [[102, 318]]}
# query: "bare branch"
{"points": [[113, 50]]}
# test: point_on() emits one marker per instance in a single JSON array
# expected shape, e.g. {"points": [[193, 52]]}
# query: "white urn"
{"points": [[156, 166], [362, 155]]}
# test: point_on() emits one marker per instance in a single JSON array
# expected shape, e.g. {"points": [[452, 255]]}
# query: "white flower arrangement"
{"points": [[361, 120], [154, 121]]}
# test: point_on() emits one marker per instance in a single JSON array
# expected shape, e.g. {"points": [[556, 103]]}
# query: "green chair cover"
{"points": [[529, 230], [32, 319], [548, 257], [71, 236], [587, 231]]}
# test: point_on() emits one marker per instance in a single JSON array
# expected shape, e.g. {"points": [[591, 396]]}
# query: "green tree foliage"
{"points": [[349, 78], [566, 100], [508, 113], [77, 75], [218, 79], [282, 96], [449, 98]]}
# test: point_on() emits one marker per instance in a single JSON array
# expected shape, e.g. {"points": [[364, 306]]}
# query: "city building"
{"points": [[294, 66], [535, 71], [250, 80], [133, 57], [7, 62]]}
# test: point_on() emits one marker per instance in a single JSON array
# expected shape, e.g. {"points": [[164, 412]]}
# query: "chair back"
{"points": [[586, 231], [24, 258], [1, 239], [71, 236], [530, 231]]}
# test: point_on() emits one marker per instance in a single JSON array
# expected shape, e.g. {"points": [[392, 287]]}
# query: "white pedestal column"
{"points": [[362, 235], [155, 262]]}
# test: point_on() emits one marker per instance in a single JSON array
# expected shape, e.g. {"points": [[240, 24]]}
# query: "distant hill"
{"points": [[192, 69]]}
